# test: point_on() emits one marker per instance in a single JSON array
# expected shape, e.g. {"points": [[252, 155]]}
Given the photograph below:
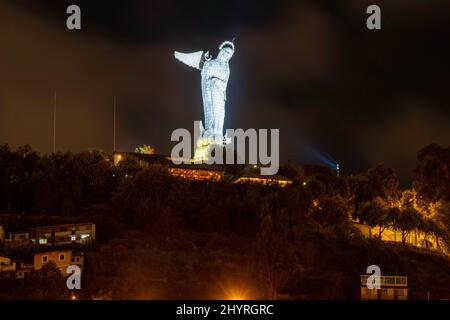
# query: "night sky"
{"points": [[335, 89]]}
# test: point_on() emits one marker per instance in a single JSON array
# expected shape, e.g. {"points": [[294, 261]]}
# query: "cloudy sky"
{"points": [[336, 90]]}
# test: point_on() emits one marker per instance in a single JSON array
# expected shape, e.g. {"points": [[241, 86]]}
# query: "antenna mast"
{"points": [[114, 126], [54, 122]]}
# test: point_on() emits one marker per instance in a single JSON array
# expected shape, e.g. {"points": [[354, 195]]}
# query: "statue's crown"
{"points": [[227, 44]]}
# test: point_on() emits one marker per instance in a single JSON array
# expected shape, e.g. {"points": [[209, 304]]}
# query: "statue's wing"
{"points": [[191, 59]]}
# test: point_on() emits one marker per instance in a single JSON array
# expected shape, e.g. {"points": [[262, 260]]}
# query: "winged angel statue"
{"points": [[214, 79]]}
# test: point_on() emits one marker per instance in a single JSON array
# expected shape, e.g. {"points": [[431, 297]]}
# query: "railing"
{"points": [[393, 281]]}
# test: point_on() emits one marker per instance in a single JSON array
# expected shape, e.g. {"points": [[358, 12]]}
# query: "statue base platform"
{"points": [[205, 145]]}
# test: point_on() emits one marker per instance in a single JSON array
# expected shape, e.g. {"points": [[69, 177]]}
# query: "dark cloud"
{"points": [[395, 139], [297, 47]]}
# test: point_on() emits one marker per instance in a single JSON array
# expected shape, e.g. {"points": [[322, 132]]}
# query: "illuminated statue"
{"points": [[215, 74]]}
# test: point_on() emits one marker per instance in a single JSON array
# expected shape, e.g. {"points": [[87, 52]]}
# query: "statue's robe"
{"points": [[215, 75]]}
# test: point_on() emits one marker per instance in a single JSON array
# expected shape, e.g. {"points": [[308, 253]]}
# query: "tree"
{"points": [[64, 182], [441, 224], [321, 181], [276, 260], [16, 185], [145, 195], [375, 213], [332, 215], [47, 284], [128, 167], [408, 219], [433, 174], [145, 149]]}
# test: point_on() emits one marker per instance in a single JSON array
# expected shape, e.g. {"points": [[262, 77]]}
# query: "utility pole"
{"points": [[54, 123]]}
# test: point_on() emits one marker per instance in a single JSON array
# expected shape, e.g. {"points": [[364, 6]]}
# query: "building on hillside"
{"points": [[392, 288], [266, 180], [18, 238], [200, 172], [78, 259], [6, 265], [23, 270], [142, 158], [64, 234], [7, 268], [62, 259], [13, 270], [81, 233]]}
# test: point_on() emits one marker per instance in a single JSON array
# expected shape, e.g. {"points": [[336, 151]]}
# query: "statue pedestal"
{"points": [[205, 145]]}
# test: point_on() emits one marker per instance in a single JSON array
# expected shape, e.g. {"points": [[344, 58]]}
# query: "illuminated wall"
{"points": [[264, 180], [62, 259], [197, 174]]}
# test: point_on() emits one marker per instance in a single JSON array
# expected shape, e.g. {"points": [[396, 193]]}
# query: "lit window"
{"points": [[73, 237], [43, 241], [84, 236]]}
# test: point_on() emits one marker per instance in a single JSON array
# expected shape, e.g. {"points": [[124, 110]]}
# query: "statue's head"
{"points": [[226, 51]]}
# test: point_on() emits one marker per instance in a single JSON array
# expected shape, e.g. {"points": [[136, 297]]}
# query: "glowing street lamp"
{"points": [[236, 296], [236, 293]]}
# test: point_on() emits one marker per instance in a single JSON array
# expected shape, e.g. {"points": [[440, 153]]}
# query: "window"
{"points": [[44, 259], [73, 237], [62, 257], [43, 241]]}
